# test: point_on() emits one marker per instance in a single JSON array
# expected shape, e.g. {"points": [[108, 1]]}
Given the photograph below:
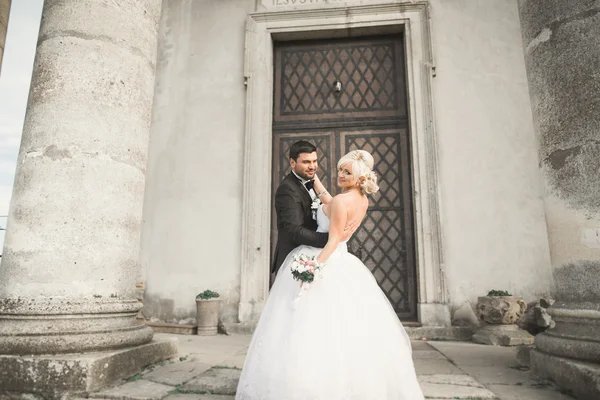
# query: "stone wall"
{"points": [[492, 211], [192, 223], [494, 229]]}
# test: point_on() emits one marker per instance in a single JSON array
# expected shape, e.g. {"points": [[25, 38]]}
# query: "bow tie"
{"points": [[309, 185]]}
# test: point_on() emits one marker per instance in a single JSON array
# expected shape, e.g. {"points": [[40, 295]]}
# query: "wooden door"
{"points": [[367, 110]]}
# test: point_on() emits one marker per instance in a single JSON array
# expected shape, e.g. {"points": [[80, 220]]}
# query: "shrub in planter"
{"points": [[207, 312]]}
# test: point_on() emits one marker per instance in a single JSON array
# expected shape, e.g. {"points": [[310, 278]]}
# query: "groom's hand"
{"points": [[350, 229]]}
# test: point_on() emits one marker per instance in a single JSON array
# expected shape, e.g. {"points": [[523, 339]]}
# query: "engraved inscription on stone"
{"points": [[291, 3]]}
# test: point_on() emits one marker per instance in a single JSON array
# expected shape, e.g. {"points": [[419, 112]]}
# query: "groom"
{"points": [[293, 199]]}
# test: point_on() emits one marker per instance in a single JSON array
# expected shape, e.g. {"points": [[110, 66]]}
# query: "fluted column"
{"points": [[4, 11], [70, 261], [562, 53]]}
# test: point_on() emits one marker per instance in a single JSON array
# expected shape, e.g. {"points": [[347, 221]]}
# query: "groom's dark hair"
{"points": [[301, 146]]}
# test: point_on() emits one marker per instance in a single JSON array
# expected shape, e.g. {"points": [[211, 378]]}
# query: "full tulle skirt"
{"points": [[340, 340]]}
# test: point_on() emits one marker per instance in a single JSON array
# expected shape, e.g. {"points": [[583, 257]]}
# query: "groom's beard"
{"points": [[305, 176]]}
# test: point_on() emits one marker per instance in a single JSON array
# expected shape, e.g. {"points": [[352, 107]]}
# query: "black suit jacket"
{"points": [[295, 225]]}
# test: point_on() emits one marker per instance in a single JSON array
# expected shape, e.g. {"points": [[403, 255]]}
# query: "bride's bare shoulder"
{"points": [[341, 198], [346, 200]]}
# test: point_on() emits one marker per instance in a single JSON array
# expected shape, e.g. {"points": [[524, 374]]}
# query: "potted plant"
{"points": [[500, 311], [207, 312], [500, 308]]}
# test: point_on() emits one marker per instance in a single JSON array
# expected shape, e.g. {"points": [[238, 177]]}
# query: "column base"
{"points": [[250, 312], [68, 325], [54, 376], [434, 314], [502, 335], [581, 378]]}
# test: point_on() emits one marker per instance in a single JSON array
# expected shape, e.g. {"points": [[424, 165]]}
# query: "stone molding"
{"points": [[262, 29], [64, 325]]}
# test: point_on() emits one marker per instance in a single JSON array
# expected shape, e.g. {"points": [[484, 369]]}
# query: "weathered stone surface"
{"points": [[55, 325], [435, 366], [137, 390], [420, 345], [582, 378], [576, 334], [430, 354], [471, 354], [496, 375], [465, 316], [573, 344], [491, 366], [25, 396], [198, 397], [216, 381], [570, 347], [506, 310], [542, 318], [502, 335], [440, 332], [207, 316], [579, 283], [238, 328], [177, 373], [561, 41], [453, 387], [237, 361], [177, 329], [55, 375], [545, 303], [521, 392], [459, 333], [74, 222], [524, 354], [536, 318]]}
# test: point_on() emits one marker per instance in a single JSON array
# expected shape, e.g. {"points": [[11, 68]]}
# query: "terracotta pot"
{"points": [[207, 316], [500, 310]]}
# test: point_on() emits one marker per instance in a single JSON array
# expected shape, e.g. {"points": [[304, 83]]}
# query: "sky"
{"points": [[15, 76]]}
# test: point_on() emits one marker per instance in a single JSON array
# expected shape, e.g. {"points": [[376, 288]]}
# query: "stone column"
{"points": [[70, 261], [562, 53], [4, 11]]}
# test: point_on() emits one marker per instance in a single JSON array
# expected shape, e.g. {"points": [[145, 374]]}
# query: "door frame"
{"points": [[262, 29]]}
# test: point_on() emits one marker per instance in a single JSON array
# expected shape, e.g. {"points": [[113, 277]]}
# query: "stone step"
{"points": [[454, 386], [135, 390], [198, 397], [215, 381], [177, 373]]}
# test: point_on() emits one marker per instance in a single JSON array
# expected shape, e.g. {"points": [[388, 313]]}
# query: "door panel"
{"points": [[385, 240], [371, 73], [369, 113]]}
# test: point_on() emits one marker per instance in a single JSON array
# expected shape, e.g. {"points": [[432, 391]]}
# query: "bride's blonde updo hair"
{"points": [[362, 169]]}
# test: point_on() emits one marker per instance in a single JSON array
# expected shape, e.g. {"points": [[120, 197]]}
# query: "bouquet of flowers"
{"points": [[305, 269]]}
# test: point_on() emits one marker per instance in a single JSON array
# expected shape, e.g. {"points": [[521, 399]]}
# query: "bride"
{"points": [[341, 339]]}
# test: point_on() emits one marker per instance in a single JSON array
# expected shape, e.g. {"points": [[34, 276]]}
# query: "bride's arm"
{"points": [[339, 217], [321, 192]]}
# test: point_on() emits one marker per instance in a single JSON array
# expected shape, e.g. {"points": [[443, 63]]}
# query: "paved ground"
{"points": [[208, 369]]}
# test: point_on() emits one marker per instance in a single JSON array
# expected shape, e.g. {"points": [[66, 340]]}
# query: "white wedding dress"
{"points": [[341, 340]]}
